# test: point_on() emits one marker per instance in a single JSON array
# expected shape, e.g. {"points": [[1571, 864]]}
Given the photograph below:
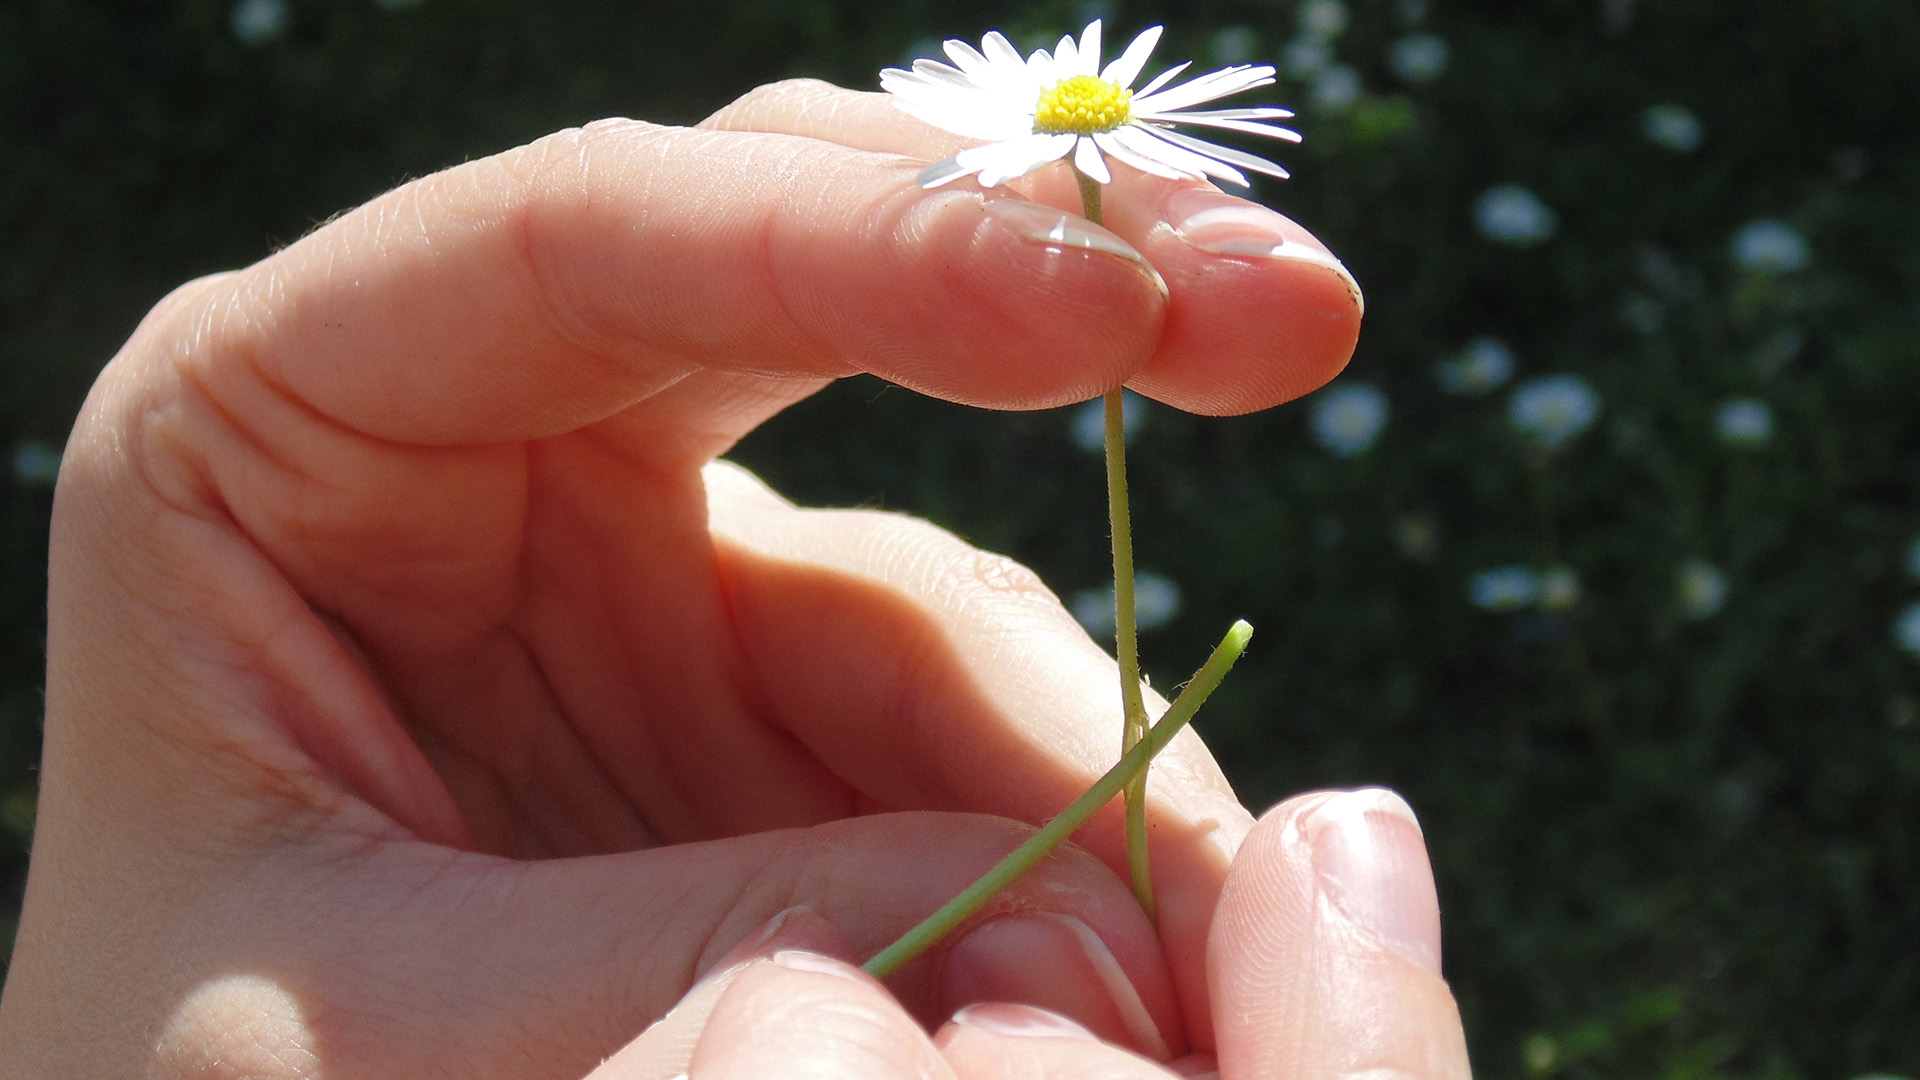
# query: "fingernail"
{"points": [[1219, 223], [750, 948], [1023, 1021], [1055, 228], [1055, 962], [1372, 863], [815, 964]]}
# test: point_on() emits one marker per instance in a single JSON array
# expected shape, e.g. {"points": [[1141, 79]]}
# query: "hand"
{"points": [[423, 702], [1323, 962]]}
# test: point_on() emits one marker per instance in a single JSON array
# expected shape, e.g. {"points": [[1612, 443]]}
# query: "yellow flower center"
{"points": [[1082, 105]]}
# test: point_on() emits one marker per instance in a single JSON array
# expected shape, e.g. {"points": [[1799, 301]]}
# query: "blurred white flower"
{"points": [[1906, 629], [1700, 589], [35, 464], [1234, 45], [1770, 247], [1088, 427], [1559, 589], [1336, 88], [1510, 214], [1553, 409], [1483, 365], [1418, 58], [1306, 56], [256, 22], [1504, 588], [1744, 422], [1156, 601], [1672, 127], [1323, 18], [1348, 417]]}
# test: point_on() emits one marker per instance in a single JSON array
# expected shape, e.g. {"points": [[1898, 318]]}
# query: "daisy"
{"points": [[1049, 107]]}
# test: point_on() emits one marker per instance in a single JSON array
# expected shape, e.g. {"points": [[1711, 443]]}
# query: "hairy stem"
{"points": [[1126, 640]]}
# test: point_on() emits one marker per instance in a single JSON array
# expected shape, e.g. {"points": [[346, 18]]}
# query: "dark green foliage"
{"points": [[1667, 845]]}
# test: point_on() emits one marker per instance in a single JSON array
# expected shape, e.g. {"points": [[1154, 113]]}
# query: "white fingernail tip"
{"points": [[1126, 999], [1351, 807], [1294, 249], [1022, 1021], [1054, 228]]}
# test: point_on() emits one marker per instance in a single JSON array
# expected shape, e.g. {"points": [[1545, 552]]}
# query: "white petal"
{"points": [[1248, 126], [1089, 63], [1000, 162], [1000, 50], [1109, 144], [1126, 67], [1086, 158], [966, 57], [935, 71], [1261, 112], [940, 172], [962, 119], [1066, 57], [1141, 141], [1217, 84], [1162, 79], [1220, 153]]}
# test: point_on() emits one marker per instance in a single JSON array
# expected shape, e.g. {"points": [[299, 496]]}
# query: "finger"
{"points": [[1003, 1041], [933, 675], [666, 1048], [532, 292], [1260, 311], [796, 1014], [1325, 957]]}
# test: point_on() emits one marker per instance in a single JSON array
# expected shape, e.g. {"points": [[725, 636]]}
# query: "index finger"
{"points": [[536, 291]]}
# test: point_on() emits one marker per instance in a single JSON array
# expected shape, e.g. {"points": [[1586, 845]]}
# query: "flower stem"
{"points": [[1127, 648], [1126, 639], [1132, 765]]}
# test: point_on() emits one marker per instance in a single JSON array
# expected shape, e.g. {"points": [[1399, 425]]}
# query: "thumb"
{"points": [[1325, 953]]}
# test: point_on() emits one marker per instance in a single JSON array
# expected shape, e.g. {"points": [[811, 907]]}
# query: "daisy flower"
{"points": [[1053, 106]]}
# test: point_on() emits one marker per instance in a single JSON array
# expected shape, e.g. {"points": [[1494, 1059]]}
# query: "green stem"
{"points": [[1126, 647], [1126, 638], [1051, 835]]}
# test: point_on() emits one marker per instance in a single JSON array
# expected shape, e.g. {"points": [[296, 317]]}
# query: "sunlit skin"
{"points": [[423, 700]]}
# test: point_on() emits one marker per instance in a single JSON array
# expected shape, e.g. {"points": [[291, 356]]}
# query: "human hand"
{"points": [[421, 701], [1323, 962]]}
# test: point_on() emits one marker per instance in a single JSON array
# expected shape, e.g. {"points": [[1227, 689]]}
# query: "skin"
{"points": [[423, 699]]}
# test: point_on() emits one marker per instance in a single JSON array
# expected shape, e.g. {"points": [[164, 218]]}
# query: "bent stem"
{"points": [[1126, 639], [1132, 766]]}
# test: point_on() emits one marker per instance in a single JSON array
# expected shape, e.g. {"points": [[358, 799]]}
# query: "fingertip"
{"points": [[1328, 930], [806, 1014], [1261, 312]]}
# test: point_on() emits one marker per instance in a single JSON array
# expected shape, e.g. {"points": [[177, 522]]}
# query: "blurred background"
{"points": [[1605, 550]]}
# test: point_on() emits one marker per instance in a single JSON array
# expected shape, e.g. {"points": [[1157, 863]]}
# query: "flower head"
{"points": [[1553, 408], [1347, 418], [1051, 106]]}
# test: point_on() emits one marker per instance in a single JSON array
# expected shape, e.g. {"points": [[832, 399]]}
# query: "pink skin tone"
{"points": [[423, 701]]}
